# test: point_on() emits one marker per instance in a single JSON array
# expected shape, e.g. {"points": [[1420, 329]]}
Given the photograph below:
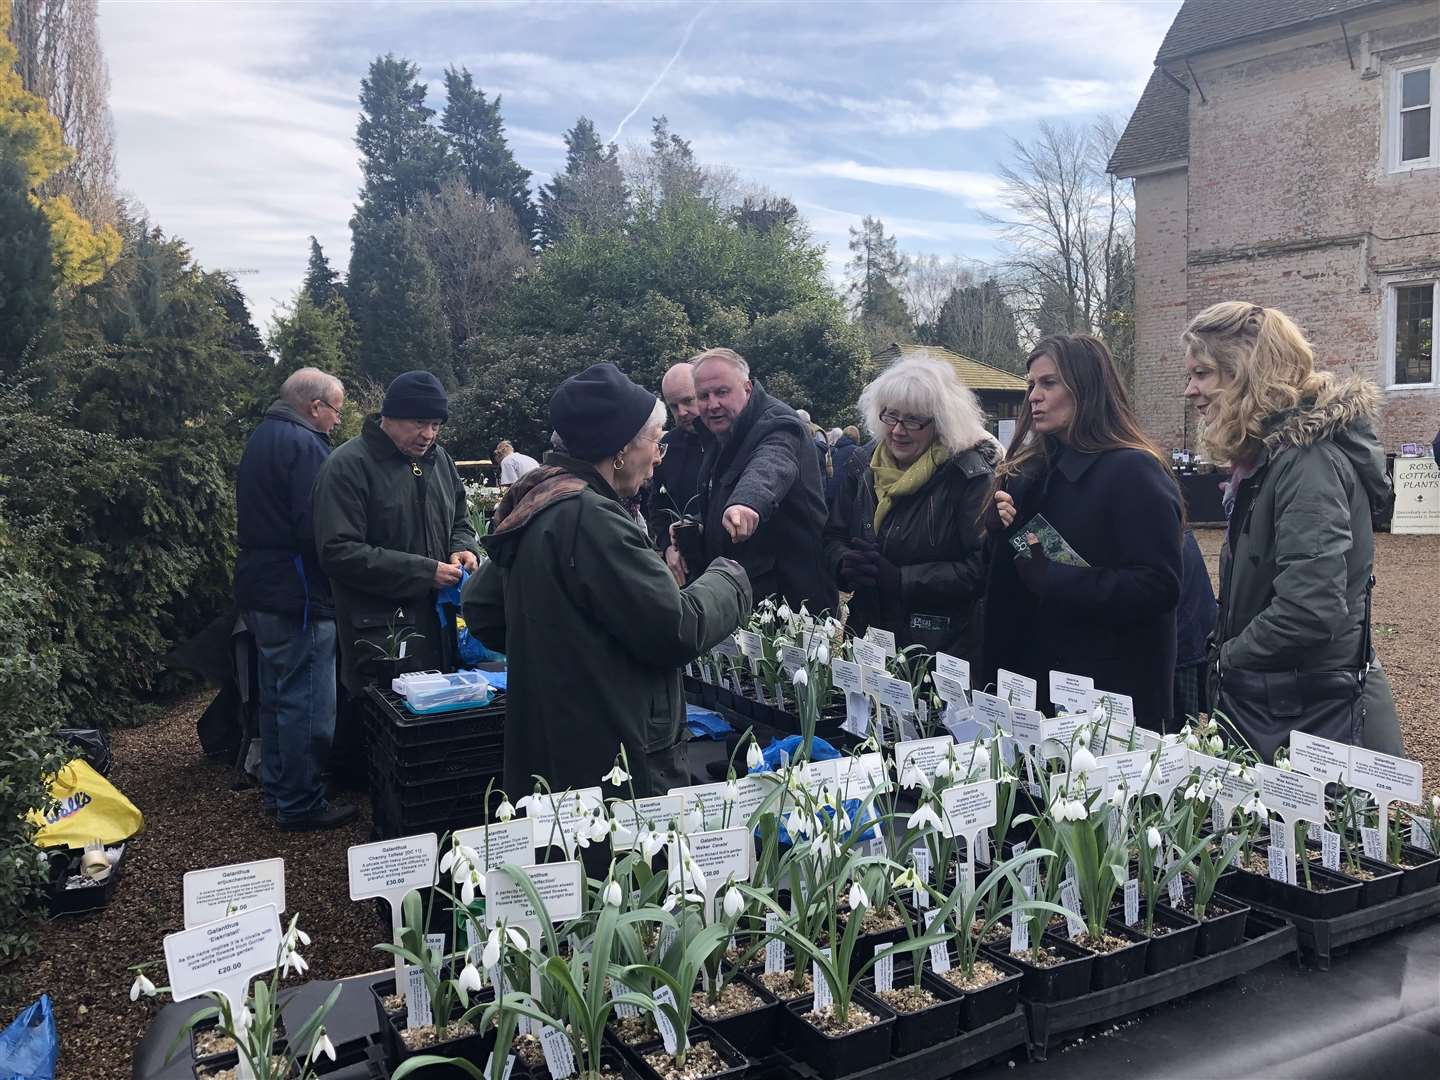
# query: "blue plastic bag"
{"points": [[29, 1046], [706, 723], [472, 649]]}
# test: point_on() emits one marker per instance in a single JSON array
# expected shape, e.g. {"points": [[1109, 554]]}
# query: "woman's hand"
{"points": [[1005, 507]]}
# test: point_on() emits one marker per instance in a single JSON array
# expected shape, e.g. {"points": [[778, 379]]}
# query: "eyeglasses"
{"points": [[661, 448], [327, 404], [909, 423]]}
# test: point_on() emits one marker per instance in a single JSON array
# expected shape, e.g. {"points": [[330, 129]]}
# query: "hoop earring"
{"points": [[618, 463]]}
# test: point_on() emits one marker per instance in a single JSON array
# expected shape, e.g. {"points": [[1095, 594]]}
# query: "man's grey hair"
{"points": [[803, 415], [730, 356], [307, 385]]}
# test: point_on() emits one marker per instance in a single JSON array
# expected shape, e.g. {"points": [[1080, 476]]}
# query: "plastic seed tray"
{"points": [[1319, 938]]}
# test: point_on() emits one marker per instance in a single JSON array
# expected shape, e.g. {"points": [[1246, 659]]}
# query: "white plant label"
{"points": [[727, 648], [753, 792], [916, 761], [870, 654], [1372, 843], [1293, 796], [709, 798], [884, 969], [791, 659], [967, 808], [774, 946], [1329, 849], [1279, 864], [1057, 734], [1132, 901], [1389, 779], [1074, 917], [824, 997], [896, 694], [940, 951], [490, 1067], [1017, 690], [857, 715], [950, 689], [557, 815], [751, 645], [1176, 890], [884, 638], [1019, 935], [722, 856], [661, 811], [223, 955], [845, 674], [921, 855], [560, 886], [389, 869], [228, 890], [559, 1054], [1070, 692], [663, 995], [1313, 831], [953, 667], [1119, 713], [418, 1013], [1127, 770], [1320, 757], [502, 842], [1419, 836], [623, 1009], [993, 714]]}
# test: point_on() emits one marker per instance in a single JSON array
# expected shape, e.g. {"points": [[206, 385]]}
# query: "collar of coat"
{"points": [[382, 446], [561, 477], [1072, 464], [1341, 405], [280, 409]]}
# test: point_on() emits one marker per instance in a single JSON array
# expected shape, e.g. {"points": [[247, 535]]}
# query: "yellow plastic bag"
{"points": [[89, 808]]}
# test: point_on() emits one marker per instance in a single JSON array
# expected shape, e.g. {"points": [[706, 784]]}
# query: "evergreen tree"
{"points": [[589, 194], [27, 281], [321, 281], [476, 134], [396, 300], [675, 172], [402, 156], [876, 271], [315, 335], [976, 321]]}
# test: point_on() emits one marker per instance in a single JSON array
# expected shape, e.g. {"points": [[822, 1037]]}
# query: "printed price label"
{"points": [[391, 868], [1419, 836], [417, 1000], [503, 842], [1119, 713], [228, 890], [954, 668], [992, 713], [1074, 917], [1312, 831], [557, 815], [752, 645], [824, 997], [917, 760], [1329, 849], [951, 691], [921, 855], [846, 676], [709, 798], [663, 995], [1320, 757], [1389, 779], [560, 887], [895, 694], [223, 955], [884, 969], [1132, 902], [623, 1009], [1019, 935], [940, 951], [490, 1067], [884, 638], [1017, 690], [792, 659], [1279, 864], [1070, 692], [661, 811], [1372, 843], [774, 947], [1176, 889], [559, 1054], [1294, 796], [967, 808], [870, 655]]}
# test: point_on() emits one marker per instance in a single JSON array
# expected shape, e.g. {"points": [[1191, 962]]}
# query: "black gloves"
{"points": [[850, 564], [874, 571], [1034, 570]]}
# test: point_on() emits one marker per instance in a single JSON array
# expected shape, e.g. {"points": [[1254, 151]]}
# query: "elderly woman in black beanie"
{"points": [[592, 622]]}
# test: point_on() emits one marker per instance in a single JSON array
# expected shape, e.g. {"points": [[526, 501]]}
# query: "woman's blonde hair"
{"points": [[1267, 365], [923, 387]]}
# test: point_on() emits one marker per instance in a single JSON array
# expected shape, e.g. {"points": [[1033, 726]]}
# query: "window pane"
{"points": [[1414, 333], [1415, 135], [1415, 88]]}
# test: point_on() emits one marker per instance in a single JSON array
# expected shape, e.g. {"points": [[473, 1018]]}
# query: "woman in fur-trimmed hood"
{"points": [[1307, 477]]}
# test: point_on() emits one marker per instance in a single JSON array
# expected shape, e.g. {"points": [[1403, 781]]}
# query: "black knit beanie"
{"points": [[599, 411], [415, 395]]}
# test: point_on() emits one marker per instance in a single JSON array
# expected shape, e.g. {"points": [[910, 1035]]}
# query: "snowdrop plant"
{"points": [[1098, 853], [445, 993]]}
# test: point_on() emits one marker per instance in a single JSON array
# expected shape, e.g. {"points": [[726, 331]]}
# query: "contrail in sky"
{"points": [[685, 40]]}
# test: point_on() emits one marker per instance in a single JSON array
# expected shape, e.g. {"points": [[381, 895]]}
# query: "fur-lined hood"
{"points": [[1344, 414]]}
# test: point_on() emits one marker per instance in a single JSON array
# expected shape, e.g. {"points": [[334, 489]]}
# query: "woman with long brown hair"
{"points": [[1292, 647], [1086, 522]]}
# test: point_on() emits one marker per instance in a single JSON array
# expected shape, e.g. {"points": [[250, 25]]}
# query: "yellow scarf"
{"points": [[893, 482]]}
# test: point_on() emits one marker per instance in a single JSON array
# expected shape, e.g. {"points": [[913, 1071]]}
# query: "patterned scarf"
{"points": [[892, 482]]}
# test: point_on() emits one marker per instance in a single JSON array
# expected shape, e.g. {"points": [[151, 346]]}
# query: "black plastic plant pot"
{"points": [[1123, 965], [1419, 869], [736, 1063], [989, 1003], [1331, 896], [834, 1056], [754, 1031], [1223, 926], [474, 1046], [1176, 945], [925, 1027], [1067, 979], [866, 944]]}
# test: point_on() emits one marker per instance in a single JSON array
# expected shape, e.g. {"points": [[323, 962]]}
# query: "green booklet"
{"points": [[1055, 546]]}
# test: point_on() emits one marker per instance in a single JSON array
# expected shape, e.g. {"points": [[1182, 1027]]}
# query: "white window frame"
{"points": [[1393, 131], [1392, 313]]}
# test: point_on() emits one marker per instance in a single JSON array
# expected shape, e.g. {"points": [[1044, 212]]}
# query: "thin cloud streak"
{"points": [[684, 40]]}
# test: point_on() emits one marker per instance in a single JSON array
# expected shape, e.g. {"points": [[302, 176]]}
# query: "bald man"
{"points": [[675, 489]]}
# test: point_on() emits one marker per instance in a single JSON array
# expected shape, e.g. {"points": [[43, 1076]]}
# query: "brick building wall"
{"points": [[1287, 201]]}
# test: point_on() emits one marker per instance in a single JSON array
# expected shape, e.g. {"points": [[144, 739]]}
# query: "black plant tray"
{"points": [[1319, 938], [1268, 937], [933, 1063], [405, 729]]}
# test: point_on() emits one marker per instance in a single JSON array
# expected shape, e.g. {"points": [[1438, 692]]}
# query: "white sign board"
{"points": [[228, 890], [1417, 496], [501, 842], [561, 886], [223, 955]]}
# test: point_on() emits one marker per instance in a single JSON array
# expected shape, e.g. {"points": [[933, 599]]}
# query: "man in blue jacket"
{"points": [[286, 598]]}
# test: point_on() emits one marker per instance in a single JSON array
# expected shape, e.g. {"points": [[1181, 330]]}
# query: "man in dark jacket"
{"points": [[392, 528], [676, 485], [840, 455], [285, 596], [764, 502]]}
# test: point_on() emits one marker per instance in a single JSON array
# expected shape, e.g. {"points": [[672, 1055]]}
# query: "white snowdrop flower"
{"points": [[651, 841], [798, 825], [695, 818], [324, 1046], [785, 612], [694, 874], [734, 902], [470, 978], [1152, 838], [1256, 807], [447, 861], [1082, 761], [1212, 786], [141, 985], [731, 792], [505, 811], [800, 678], [1082, 738], [1192, 792], [293, 961], [1192, 742], [1217, 744], [1435, 804], [822, 654], [1117, 798], [490, 955], [1076, 811], [1285, 766], [857, 897], [613, 896], [616, 776], [754, 756], [906, 880], [826, 846], [924, 818], [767, 618]]}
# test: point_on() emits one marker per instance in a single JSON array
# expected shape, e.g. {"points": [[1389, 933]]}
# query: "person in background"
{"points": [[675, 487], [1292, 649], [513, 464], [1194, 622], [902, 534], [840, 453], [1080, 461], [764, 503], [392, 530], [593, 624], [285, 597]]}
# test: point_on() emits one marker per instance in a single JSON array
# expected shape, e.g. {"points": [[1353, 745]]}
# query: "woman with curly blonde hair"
{"points": [[1292, 646]]}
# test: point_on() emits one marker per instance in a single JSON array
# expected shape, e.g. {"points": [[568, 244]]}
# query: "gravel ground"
{"points": [[194, 820]]}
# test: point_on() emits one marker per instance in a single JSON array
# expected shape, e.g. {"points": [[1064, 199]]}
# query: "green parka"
{"points": [[595, 630], [382, 522], [1300, 549]]}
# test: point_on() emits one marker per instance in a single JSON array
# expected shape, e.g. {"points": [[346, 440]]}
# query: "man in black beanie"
{"points": [[392, 528]]}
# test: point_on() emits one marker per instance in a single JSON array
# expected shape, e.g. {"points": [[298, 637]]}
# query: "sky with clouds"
{"points": [[235, 122]]}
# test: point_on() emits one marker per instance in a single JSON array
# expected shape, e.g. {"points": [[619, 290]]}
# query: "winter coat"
{"points": [[675, 487], [382, 522], [1299, 551], [840, 455], [1195, 617], [933, 537], [768, 463], [1113, 620], [595, 631], [278, 569]]}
